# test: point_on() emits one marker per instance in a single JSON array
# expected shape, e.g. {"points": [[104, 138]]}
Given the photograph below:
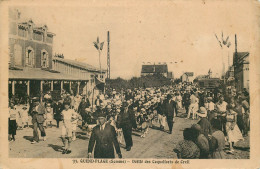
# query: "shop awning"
{"points": [[40, 74]]}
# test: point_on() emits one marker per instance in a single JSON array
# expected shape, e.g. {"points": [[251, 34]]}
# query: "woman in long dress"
{"points": [[233, 132]]}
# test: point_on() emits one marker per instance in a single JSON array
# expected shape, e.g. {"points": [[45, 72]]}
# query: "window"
{"points": [[44, 59], [29, 58]]}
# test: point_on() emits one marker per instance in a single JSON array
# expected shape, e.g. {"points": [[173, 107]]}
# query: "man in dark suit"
{"points": [[169, 109], [126, 121], [104, 138], [37, 111]]}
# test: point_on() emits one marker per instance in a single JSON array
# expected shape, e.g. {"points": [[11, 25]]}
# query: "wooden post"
{"points": [[70, 85], [78, 88], [61, 85], [13, 88], [52, 85], [28, 87], [41, 88]]}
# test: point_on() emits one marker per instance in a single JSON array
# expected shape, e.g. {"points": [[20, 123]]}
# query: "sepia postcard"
{"points": [[129, 84]]}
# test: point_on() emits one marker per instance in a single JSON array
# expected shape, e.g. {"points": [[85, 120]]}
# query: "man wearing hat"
{"points": [[204, 123], [103, 137], [37, 112], [126, 121], [169, 110]]}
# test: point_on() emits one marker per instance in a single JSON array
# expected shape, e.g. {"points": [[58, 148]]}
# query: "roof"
{"points": [[154, 68], [40, 74], [189, 73], [239, 56], [78, 64]]}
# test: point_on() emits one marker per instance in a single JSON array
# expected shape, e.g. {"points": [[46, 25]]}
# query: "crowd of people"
{"points": [[116, 114]]}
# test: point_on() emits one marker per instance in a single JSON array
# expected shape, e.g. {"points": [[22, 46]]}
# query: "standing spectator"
{"points": [[169, 110], [246, 116], [221, 107], [187, 149], [37, 111], [126, 121], [240, 115], [47, 97], [193, 106], [204, 123], [103, 137], [49, 114], [186, 101], [233, 131], [12, 122], [82, 107], [57, 108], [98, 101], [210, 107]]}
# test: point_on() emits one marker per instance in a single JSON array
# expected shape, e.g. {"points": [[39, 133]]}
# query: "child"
{"points": [[66, 130], [49, 114], [74, 122]]}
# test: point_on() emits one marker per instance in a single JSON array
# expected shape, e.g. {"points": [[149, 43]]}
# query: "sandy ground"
{"points": [[157, 144]]}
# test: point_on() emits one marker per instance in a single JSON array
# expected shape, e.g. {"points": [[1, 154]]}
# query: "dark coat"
{"points": [[159, 108], [104, 142], [57, 109], [126, 120], [169, 108]]}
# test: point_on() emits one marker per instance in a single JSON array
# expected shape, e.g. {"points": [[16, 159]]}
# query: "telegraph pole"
{"points": [[108, 55]]}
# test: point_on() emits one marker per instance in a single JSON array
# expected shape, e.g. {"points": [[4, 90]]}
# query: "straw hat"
{"points": [[202, 112]]}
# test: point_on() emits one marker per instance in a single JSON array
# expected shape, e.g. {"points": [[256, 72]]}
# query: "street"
{"points": [[156, 144]]}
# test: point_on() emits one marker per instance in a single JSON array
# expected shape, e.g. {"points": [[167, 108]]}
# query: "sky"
{"points": [[148, 31]]}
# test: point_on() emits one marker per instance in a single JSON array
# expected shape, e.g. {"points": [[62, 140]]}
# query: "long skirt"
{"points": [[12, 127], [235, 134]]}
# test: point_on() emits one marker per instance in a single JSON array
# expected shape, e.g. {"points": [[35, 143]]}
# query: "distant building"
{"points": [[187, 77], [207, 81], [156, 69], [241, 70]]}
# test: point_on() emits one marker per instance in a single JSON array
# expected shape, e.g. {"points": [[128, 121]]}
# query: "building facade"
{"points": [[33, 70], [241, 70], [187, 77], [155, 69]]}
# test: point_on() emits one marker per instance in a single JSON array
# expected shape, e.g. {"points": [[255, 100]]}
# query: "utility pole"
{"points": [[108, 55]]}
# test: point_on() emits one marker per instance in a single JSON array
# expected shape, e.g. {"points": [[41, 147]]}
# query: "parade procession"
{"points": [[66, 108]]}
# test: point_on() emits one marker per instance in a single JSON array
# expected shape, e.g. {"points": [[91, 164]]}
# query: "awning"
{"points": [[39, 74], [100, 84]]}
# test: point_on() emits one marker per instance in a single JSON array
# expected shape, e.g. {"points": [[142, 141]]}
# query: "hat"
{"points": [[202, 112]]}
